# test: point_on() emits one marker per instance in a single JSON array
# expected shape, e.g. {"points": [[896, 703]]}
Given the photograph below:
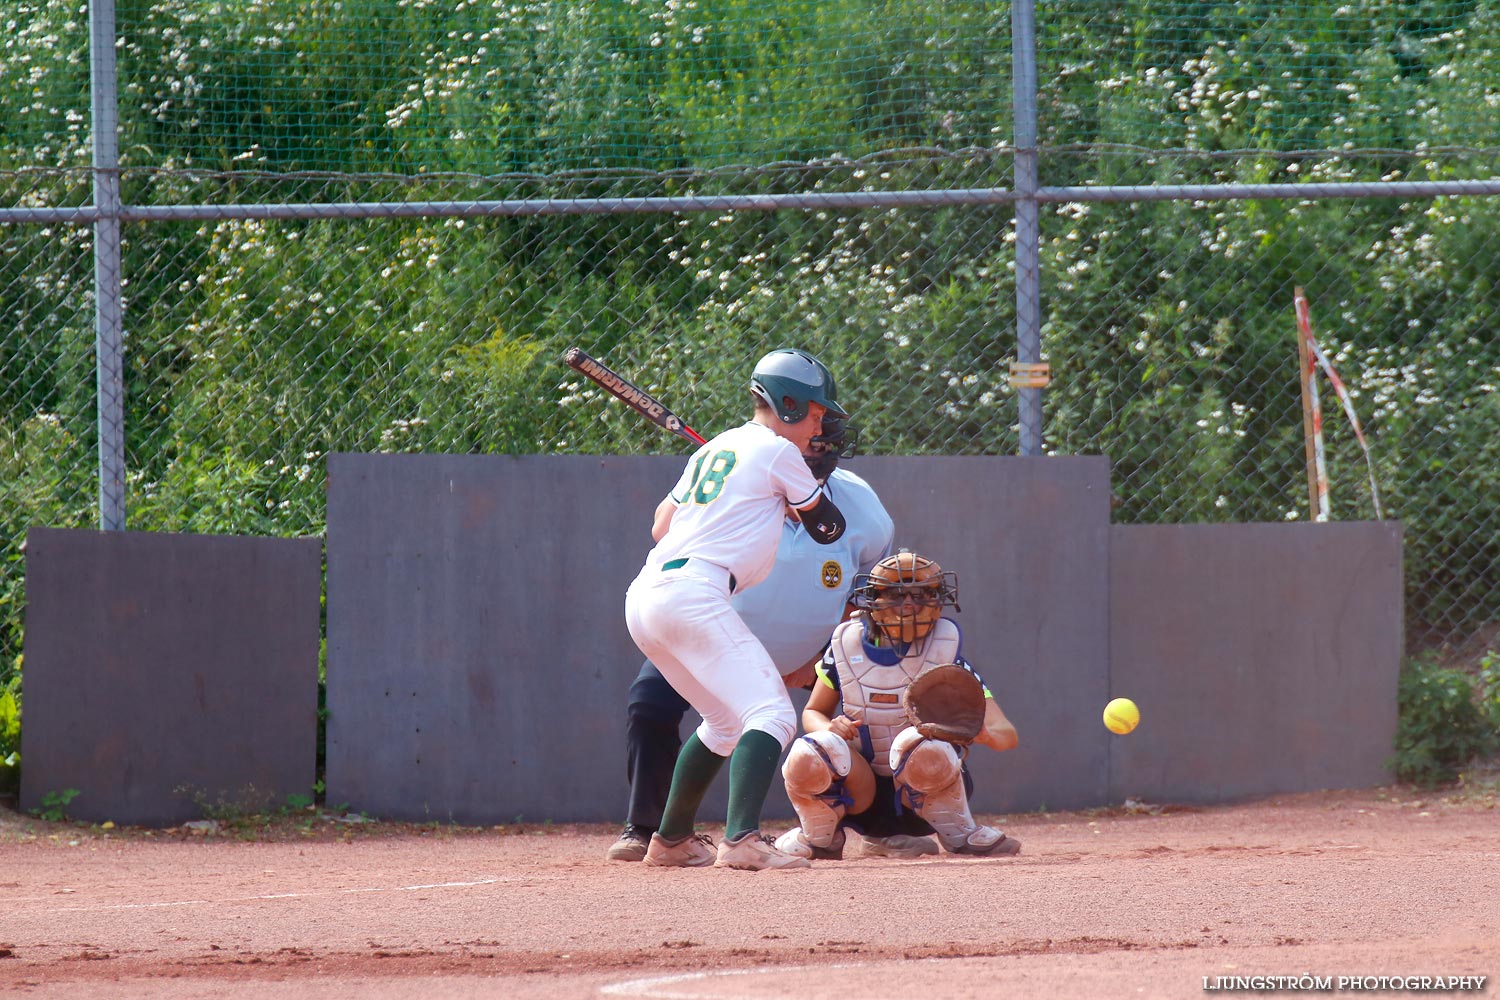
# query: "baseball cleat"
{"points": [[899, 845], [692, 851], [631, 846], [985, 841], [794, 841], [755, 852]]}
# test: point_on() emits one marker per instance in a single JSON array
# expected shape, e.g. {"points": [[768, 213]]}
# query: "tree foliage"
{"points": [[257, 346]]}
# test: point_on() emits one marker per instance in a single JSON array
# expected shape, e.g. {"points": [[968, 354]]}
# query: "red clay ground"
{"points": [[1385, 882]]}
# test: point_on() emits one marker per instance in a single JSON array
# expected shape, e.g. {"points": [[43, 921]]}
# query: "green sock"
{"points": [[751, 768], [696, 768]]}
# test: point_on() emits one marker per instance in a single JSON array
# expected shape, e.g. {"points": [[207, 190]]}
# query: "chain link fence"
{"points": [[376, 227]]}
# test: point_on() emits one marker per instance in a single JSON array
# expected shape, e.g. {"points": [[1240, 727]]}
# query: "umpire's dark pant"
{"points": [[653, 721]]}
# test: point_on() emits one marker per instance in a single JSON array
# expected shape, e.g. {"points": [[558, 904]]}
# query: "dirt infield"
{"points": [[1154, 902]]}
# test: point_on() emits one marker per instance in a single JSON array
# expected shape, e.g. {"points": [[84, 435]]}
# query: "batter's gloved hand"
{"points": [[946, 703]]}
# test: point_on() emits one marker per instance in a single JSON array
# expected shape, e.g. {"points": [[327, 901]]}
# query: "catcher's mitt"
{"points": [[946, 703]]}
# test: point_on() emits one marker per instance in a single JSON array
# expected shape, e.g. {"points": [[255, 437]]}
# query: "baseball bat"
{"points": [[630, 394]]}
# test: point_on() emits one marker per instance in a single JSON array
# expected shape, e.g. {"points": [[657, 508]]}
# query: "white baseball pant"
{"points": [[683, 622]]}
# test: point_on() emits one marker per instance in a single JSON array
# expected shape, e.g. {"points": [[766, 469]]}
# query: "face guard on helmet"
{"points": [[837, 439], [905, 595], [787, 380]]}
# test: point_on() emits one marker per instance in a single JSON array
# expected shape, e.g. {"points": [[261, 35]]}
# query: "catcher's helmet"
{"points": [[905, 595], [837, 439], [787, 380]]}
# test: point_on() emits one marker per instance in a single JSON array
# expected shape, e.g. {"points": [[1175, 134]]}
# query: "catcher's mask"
{"points": [[838, 439], [905, 595]]}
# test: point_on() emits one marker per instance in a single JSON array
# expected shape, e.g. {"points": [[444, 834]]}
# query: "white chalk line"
{"points": [[161, 904], [660, 987]]}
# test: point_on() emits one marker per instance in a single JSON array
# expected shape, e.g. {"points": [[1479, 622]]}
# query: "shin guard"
{"points": [[815, 769], [929, 778]]}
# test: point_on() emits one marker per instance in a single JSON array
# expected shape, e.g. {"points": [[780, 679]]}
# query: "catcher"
{"points": [[888, 726]]}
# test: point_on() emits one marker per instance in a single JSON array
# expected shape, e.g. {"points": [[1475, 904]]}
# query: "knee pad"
{"points": [[815, 762], [923, 764], [814, 773], [929, 778]]}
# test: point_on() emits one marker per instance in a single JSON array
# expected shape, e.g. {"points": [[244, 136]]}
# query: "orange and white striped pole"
{"points": [[1318, 358], [1312, 414]]}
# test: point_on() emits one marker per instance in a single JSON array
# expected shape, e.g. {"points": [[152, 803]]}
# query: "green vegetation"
{"points": [[54, 807], [1487, 685], [10, 735], [1444, 723], [256, 347], [247, 808]]}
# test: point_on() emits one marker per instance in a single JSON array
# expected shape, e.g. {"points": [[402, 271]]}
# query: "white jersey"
{"points": [[804, 599], [731, 502]]}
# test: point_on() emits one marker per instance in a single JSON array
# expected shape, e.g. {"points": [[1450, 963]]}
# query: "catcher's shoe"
{"points": [[755, 852], [631, 846], [985, 840], [899, 845], [794, 841], [692, 851]]}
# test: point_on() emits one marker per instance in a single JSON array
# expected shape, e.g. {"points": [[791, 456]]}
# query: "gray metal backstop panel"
{"points": [[1029, 540], [1264, 657], [478, 662], [162, 670]]}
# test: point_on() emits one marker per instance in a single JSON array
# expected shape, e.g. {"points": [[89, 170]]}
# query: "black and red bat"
{"points": [[630, 394]]}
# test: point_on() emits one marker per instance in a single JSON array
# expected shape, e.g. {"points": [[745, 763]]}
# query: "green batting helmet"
{"points": [[789, 379]]}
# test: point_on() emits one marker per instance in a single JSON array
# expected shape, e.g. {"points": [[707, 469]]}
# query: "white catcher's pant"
{"points": [[683, 621]]}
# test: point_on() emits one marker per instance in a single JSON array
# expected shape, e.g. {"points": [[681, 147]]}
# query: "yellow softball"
{"points": [[1121, 716]]}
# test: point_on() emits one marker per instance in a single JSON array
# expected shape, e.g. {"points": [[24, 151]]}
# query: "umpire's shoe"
{"points": [[631, 846], [755, 852], [693, 851]]}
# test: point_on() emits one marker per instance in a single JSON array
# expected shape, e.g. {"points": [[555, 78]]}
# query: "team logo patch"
{"points": [[833, 575]]}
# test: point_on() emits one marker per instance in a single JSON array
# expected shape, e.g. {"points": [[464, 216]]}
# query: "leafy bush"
{"points": [[10, 735], [54, 807], [256, 347], [1489, 689], [1442, 726]]}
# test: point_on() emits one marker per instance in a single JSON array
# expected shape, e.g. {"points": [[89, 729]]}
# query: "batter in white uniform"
{"points": [[792, 613], [716, 533]]}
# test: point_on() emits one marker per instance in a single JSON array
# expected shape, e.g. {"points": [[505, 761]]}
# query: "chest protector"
{"points": [[872, 691]]}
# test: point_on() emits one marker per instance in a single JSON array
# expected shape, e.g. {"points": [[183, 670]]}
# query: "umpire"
{"points": [[792, 614]]}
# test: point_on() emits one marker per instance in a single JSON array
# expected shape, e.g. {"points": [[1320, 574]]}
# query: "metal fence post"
{"points": [[1028, 235], [108, 321]]}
